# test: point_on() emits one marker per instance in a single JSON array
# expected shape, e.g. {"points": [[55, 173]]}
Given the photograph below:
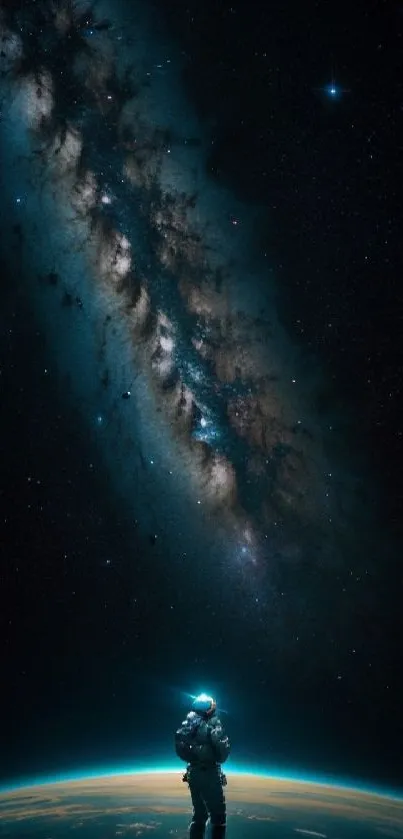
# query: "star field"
{"points": [[201, 372]]}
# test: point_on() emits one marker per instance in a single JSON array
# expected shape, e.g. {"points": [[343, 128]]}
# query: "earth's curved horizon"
{"points": [[155, 802]]}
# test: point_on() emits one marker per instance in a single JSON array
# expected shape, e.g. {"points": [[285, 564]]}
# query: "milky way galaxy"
{"points": [[160, 308]]}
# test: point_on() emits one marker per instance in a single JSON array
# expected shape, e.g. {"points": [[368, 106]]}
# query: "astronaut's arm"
{"points": [[220, 742], [182, 747]]}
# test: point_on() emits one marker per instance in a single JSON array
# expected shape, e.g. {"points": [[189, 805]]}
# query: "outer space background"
{"points": [[200, 382]]}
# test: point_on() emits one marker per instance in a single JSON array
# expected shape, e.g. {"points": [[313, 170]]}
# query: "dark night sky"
{"points": [[97, 639]]}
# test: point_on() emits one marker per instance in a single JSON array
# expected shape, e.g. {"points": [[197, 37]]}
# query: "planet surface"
{"points": [[157, 804]]}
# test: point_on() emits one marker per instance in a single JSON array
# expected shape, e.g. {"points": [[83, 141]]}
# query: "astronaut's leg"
{"points": [[218, 831], [197, 826], [213, 795], [196, 831]]}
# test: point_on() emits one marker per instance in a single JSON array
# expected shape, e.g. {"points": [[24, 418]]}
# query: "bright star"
{"points": [[332, 90]]}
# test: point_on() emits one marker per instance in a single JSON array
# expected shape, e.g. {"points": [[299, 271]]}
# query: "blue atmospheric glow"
{"points": [[249, 771]]}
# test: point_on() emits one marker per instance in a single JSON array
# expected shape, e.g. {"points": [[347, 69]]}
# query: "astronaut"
{"points": [[203, 743]]}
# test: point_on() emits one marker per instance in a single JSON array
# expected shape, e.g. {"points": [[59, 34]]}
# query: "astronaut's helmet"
{"points": [[204, 705]]}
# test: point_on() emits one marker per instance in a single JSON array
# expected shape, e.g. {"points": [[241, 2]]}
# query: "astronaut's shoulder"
{"points": [[189, 720], [215, 722]]}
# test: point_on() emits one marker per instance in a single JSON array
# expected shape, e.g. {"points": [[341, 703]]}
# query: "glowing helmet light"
{"points": [[204, 704]]}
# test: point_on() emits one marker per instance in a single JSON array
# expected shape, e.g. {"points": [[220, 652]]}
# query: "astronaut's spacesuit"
{"points": [[202, 742]]}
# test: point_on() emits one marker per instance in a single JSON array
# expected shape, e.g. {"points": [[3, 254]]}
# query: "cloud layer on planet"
{"points": [[144, 802]]}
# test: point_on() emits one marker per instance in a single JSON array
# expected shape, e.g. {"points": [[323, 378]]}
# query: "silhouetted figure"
{"points": [[202, 742]]}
